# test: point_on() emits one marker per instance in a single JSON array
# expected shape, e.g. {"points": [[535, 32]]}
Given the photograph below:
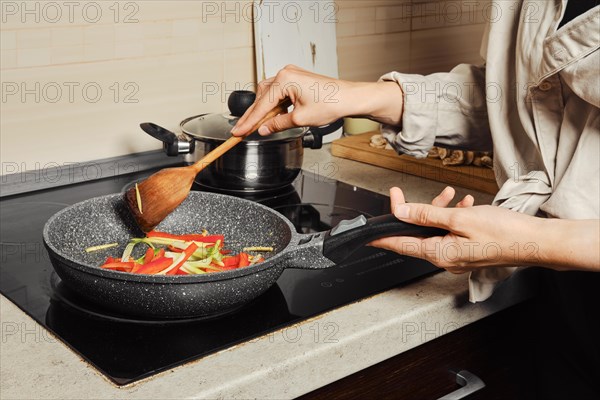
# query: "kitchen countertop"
{"points": [[286, 363]]}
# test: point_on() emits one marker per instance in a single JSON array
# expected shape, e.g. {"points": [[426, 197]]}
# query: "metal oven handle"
{"points": [[470, 384]]}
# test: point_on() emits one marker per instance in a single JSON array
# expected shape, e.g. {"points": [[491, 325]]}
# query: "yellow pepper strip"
{"points": [[101, 247], [138, 198], [257, 249]]}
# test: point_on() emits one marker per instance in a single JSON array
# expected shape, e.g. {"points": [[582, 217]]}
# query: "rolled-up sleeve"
{"points": [[444, 109]]}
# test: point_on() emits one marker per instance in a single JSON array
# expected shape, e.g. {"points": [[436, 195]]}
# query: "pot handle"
{"points": [[313, 139], [173, 145], [340, 242]]}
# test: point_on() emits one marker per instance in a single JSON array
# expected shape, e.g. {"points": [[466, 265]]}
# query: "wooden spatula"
{"points": [[156, 197]]}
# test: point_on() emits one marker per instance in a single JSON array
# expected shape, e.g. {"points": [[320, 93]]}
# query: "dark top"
{"points": [[575, 8]]}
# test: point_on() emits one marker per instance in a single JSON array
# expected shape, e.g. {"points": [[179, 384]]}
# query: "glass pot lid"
{"points": [[218, 126]]}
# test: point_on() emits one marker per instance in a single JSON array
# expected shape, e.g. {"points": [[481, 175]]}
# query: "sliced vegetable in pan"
{"points": [[188, 254], [101, 247]]}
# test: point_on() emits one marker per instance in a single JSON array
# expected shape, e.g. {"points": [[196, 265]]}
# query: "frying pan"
{"points": [[244, 223]]}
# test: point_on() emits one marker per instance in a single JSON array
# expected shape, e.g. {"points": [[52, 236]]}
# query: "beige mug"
{"points": [[356, 126]]}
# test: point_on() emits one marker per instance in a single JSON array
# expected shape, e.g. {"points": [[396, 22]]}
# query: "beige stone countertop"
{"points": [[286, 363]]}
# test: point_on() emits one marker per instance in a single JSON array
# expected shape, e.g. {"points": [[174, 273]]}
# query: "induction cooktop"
{"points": [[132, 348]]}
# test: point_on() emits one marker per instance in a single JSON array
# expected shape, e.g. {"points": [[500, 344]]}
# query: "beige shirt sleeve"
{"points": [[445, 109]]}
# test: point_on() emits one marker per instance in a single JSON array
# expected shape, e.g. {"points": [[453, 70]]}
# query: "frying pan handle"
{"points": [[348, 236]]}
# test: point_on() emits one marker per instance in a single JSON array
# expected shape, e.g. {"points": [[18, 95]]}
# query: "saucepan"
{"points": [[258, 164], [244, 223]]}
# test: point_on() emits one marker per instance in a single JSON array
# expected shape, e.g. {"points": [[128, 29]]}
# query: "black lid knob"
{"points": [[239, 101]]}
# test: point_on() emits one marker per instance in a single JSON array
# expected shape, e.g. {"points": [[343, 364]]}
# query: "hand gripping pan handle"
{"points": [[348, 236]]}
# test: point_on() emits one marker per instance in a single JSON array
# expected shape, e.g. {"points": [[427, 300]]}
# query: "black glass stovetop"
{"points": [[127, 349]]}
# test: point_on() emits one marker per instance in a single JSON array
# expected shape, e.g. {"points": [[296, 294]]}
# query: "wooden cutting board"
{"points": [[469, 176]]}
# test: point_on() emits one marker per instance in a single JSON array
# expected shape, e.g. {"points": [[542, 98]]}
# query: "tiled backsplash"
{"points": [[415, 36], [79, 77]]}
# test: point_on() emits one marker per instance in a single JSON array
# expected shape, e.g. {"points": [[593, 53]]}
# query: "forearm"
{"points": [[379, 101], [568, 245]]}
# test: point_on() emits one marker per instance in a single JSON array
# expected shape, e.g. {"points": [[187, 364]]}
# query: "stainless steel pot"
{"points": [[257, 164]]}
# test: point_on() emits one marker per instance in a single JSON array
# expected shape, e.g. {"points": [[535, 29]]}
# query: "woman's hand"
{"points": [[319, 100], [485, 236]]}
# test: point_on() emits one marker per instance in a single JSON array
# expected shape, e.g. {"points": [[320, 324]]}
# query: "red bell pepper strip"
{"points": [[210, 238], [155, 266], [119, 266], [181, 272], [174, 249], [244, 261], [136, 268], [160, 254], [110, 260], [187, 238], [149, 255], [187, 253], [231, 262]]}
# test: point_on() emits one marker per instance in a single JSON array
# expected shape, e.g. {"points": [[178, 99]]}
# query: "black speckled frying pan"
{"points": [[105, 219]]}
